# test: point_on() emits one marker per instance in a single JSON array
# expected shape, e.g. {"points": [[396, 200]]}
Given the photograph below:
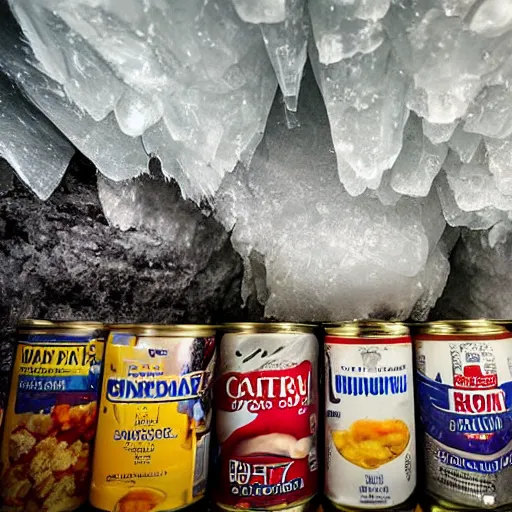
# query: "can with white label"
{"points": [[266, 403], [465, 398], [370, 451]]}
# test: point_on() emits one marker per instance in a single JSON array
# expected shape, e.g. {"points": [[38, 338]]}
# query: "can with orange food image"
{"points": [[153, 439], [370, 451], [50, 420]]}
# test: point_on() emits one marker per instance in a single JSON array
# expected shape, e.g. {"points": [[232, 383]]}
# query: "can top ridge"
{"points": [[367, 329], [178, 330], [35, 325], [267, 327], [479, 326]]}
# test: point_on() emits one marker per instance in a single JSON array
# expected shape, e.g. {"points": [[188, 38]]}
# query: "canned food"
{"points": [[50, 421], [370, 450], [267, 417], [153, 439], [465, 396]]}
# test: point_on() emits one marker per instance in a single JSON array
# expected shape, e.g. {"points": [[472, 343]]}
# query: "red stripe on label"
{"points": [[338, 340]]}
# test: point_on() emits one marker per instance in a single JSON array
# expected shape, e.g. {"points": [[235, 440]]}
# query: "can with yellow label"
{"points": [[50, 420], [155, 415]]}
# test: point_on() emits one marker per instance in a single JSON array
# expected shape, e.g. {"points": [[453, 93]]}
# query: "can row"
{"points": [[128, 424]]}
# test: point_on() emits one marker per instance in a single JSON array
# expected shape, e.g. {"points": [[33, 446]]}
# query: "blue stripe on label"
{"points": [[40, 402], [55, 338], [461, 430], [70, 383], [475, 466]]}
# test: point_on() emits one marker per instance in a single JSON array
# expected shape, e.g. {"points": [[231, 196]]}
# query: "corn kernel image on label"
{"points": [[50, 422], [154, 422]]}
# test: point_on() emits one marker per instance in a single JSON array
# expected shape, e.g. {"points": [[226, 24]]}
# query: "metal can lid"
{"points": [[474, 327], [36, 325], [177, 330], [367, 329], [267, 327], [501, 321]]}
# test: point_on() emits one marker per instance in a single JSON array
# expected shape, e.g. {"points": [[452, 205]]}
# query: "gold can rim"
{"points": [[165, 329], [369, 328], [32, 325], [267, 327], [501, 321], [475, 327]]}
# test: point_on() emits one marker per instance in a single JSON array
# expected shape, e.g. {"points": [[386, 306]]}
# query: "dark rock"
{"points": [[60, 259]]}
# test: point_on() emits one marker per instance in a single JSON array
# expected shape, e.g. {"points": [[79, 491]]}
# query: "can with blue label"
{"points": [[464, 371], [50, 420]]}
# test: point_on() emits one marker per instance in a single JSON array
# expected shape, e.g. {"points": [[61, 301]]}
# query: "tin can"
{"points": [[370, 446], [152, 446], [50, 421], [267, 417], [465, 398]]}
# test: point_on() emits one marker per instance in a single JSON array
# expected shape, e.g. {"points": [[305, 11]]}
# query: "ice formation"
{"points": [[418, 96], [328, 255], [188, 81]]}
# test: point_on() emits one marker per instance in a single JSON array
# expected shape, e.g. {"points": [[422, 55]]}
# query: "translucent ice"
{"points": [[419, 103], [474, 187], [343, 29], [500, 163], [365, 100], [38, 152], [490, 114], [371, 259], [492, 18], [286, 44], [261, 11], [418, 162], [447, 62], [438, 133], [122, 67], [464, 144]]}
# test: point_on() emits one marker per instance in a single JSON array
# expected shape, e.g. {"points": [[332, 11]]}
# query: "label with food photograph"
{"points": [[369, 421], [154, 423], [50, 422], [267, 418]]}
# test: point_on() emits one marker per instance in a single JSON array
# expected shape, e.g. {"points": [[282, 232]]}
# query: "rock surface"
{"points": [[61, 260]]}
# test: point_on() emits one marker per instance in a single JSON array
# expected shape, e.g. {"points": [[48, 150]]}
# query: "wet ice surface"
{"points": [[419, 111]]}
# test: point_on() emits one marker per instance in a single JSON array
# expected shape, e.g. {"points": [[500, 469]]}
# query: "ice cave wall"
{"points": [[344, 195]]}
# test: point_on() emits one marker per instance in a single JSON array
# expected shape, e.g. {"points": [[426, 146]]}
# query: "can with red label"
{"points": [[464, 375], [267, 417]]}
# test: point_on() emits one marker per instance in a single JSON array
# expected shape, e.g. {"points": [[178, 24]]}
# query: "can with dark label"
{"points": [[50, 421], [153, 439], [370, 450], [465, 399], [267, 417]]}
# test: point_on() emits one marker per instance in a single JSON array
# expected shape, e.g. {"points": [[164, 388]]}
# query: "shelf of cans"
{"points": [[136, 418]]}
